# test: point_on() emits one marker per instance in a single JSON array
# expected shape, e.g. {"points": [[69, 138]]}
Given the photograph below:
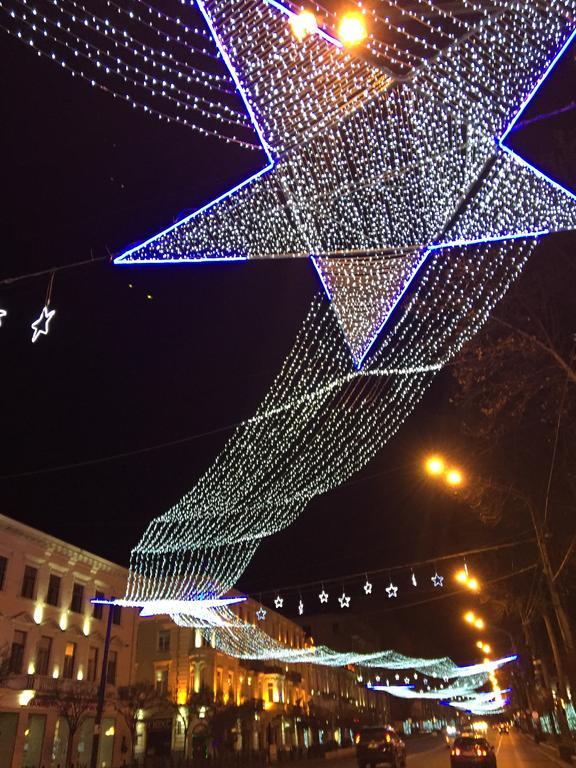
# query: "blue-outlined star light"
{"points": [[372, 176]]}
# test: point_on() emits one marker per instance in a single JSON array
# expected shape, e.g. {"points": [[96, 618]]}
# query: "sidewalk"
{"points": [[550, 750]]}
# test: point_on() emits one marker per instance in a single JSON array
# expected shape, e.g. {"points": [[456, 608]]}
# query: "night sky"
{"points": [[84, 176]]}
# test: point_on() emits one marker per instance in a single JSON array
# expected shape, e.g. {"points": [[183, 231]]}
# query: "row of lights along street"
{"points": [[438, 468]]}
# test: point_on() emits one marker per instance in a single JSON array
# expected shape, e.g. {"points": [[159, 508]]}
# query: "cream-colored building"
{"points": [[51, 647], [265, 706]]}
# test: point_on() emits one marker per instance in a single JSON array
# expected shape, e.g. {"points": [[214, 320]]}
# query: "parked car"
{"points": [[379, 745], [503, 728], [472, 751]]}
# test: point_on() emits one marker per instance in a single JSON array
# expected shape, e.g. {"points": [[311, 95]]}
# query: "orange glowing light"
{"points": [[303, 25], [352, 29], [454, 477], [461, 576], [473, 584], [435, 465]]}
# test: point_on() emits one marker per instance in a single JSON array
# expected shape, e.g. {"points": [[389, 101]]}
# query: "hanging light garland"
{"points": [[182, 80]]}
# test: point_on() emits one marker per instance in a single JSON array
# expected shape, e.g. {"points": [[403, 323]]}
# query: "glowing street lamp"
{"points": [[303, 25], [435, 466], [471, 582], [454, 477], [487, 649], [475, 621], [352, 29]]}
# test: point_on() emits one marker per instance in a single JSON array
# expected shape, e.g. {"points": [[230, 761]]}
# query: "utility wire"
{"points": [[395, 568], [53, 270], [453, 593]]}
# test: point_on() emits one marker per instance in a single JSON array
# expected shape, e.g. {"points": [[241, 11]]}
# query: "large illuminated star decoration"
{"points": [[396, 177], [369, 173]]}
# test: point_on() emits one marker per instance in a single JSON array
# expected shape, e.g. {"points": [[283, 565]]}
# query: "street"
{"points": [[513, 751]]}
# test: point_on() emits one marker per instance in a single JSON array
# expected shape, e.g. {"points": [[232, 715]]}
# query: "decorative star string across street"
{"points": [[40, 326], [333, 187], [437, 580]]}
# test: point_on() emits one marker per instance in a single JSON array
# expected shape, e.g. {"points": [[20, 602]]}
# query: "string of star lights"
{"points": [[180, 79]]}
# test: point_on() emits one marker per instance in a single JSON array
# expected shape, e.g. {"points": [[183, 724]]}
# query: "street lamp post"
{"points": [[101, 691]]}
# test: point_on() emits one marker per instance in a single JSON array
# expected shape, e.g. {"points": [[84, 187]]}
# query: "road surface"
{"points": [[513, 751]]}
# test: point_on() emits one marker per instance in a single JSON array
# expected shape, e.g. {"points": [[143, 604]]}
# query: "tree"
{"points": [[187, 707], [516, 393], [131, 700], [74, 701]]}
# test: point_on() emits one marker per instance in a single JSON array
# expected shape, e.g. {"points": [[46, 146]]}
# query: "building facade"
{"points": [[51, 648], [221, 705], [170, 691]]}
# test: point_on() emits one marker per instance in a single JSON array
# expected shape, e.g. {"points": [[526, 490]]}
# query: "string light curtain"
{"points": [[166, 65], [321, 422]]}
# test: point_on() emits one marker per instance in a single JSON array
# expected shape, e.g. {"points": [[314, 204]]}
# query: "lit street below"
{"points": [[513, 751]]}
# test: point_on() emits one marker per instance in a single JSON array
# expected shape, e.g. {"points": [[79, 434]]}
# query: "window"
{"points": [[164, 640], [162, 680], [116, 613], [3, 569], [112, 665], [92, 663], [17, 652], [270, 691], [43, 654], [77, 601], [53, 594], [69, 659], [29, 581], [98, 608]]}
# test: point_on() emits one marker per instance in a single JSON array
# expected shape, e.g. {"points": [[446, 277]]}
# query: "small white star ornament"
{"points": [[323, 596], [437, 580], [261, 613], [3, 314], [40, 326], [344, 600], [392, 590], [278, 601], [300, 608], [368, 588]]}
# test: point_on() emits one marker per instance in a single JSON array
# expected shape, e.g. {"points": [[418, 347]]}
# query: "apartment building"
{"points": [[51, 647], [252, 706]]}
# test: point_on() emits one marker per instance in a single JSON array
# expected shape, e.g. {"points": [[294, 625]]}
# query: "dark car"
{"points": [[472, 751], [379, 745]]}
